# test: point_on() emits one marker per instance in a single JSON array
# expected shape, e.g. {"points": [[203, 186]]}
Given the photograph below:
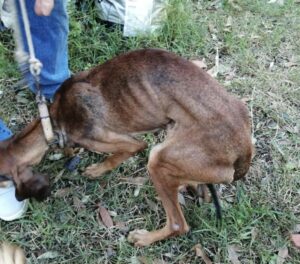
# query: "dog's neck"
{"points": [[26, 148]]}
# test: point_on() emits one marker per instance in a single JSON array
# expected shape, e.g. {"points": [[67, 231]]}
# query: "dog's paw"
{"points": [[94, 171], [140, 238]]}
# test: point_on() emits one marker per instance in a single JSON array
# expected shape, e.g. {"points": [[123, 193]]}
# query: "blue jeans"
{"points": [[50, 40]]}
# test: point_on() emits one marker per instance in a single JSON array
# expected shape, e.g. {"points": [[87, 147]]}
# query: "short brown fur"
{"points": [[208, 131]]}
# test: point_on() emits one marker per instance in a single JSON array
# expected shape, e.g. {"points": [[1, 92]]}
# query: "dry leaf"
{"points": [[205, 193], [169, 255], [103, 184], [290, 64], [295, 238], [296, 228], [135, 180], [254, 233], [48, 255], [134, 260], [181, 199], [85, 199], [58, 176], [234, 5], [233, 255], [215, 70], [221, 69], [214, 37], [78, 204], [279, 2], [110, 252], [61, 193], [136, 191], [152, 205], [113, 213], [212, 29], [283, 253], [229, 76], [200, 63], [228, 24], [104, 216], [55, 156], [143, 260], [21, 99], [122, 227], [201, 253], [254, 37]]}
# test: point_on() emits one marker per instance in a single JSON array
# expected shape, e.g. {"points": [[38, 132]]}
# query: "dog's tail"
{"points": [[216, 201]]}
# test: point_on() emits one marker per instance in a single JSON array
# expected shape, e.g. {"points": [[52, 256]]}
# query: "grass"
{"points": [[259, 61]]}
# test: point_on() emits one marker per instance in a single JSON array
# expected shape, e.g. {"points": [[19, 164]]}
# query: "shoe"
{"points": [[10, 208]]}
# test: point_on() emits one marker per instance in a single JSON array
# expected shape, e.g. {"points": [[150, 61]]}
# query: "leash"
{"points": [[35, 67]]}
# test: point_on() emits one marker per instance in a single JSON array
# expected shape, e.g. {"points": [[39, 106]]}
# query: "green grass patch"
{"points": [[259, 57]]}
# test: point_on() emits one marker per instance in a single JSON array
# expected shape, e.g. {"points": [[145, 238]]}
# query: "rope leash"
{"points": [[35, 67]]}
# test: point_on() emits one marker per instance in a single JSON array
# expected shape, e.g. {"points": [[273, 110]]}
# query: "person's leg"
{"points": [[50, 40]]}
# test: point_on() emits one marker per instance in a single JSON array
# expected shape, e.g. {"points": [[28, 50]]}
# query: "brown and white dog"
{"points": [[208, 130]]}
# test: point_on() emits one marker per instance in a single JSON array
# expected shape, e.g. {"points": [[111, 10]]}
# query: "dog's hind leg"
{"points": [[122, 147], [166, 185], [172, 164]]}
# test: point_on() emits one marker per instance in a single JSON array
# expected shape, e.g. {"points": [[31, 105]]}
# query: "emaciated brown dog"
{"points": [[208, 130]]}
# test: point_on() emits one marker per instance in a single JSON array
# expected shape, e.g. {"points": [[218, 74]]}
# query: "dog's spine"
{"points": [[216, 201]]}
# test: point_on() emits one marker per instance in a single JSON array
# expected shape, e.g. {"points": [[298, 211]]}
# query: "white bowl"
{"points": [[10, 207]]}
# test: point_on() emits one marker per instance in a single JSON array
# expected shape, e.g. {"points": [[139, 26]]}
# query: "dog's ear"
{"points": [[4, 144], [31, 184]]}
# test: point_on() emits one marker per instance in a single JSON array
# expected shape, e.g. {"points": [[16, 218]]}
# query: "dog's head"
{"points": [[32, 185], [28, 184], [14, 160]]}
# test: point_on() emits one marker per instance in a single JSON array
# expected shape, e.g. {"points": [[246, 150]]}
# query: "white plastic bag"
{"points": [[112, 10], [6, 13], [137, 16]]}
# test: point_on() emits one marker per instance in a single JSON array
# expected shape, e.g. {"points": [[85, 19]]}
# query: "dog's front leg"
{"points": [[96, 170], [122, 147]]}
